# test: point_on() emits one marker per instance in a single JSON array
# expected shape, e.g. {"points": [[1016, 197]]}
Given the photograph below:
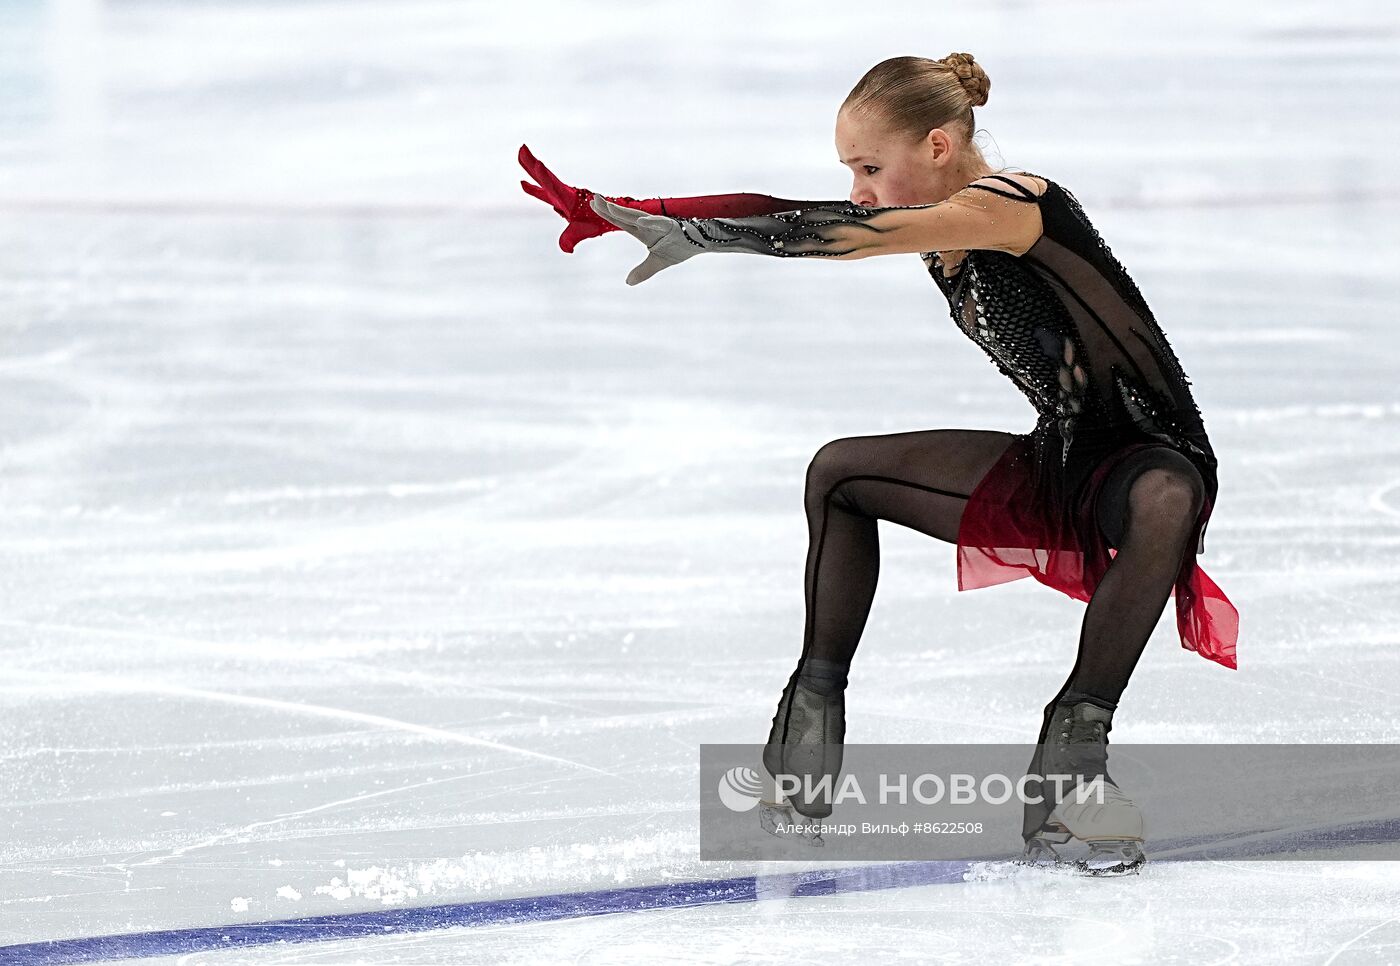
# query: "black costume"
{"points": [[1065, 322]]}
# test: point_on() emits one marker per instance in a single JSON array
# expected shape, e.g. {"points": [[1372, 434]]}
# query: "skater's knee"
{"points": [[832, 465], [1165, 499], [833, 458]]}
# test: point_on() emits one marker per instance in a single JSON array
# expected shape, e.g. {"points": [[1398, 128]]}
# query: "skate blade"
{"points": [[771, 815], [1040, 852], [1109, 858], [1040, 859]]}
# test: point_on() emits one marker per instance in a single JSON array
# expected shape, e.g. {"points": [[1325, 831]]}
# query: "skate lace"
{"points": [[1083, 744]]}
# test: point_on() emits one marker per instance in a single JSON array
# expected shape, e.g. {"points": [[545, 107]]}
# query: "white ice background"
{"points": [[361, 548]]}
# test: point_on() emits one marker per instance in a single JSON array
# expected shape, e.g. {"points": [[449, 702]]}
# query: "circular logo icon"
{"points": [[740, 789]]}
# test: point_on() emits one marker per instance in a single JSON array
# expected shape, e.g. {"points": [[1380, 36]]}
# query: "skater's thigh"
{"points": [[953, 459], [920, 479]]}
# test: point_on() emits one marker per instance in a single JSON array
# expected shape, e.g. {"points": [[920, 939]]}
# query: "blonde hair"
{"points": [[914, 95]]}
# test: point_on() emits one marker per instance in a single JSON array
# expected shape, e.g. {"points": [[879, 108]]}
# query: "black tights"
{"points": [[922, 480]]}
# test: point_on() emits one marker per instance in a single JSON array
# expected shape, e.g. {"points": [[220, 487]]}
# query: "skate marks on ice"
{"points": [[108, 683], [1319, 842]]}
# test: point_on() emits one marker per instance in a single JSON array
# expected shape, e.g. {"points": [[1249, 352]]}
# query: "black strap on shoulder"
{"points": [[1024, 193]]}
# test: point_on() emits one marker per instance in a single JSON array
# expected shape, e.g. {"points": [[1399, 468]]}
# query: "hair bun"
{"points": [[970, 74]]}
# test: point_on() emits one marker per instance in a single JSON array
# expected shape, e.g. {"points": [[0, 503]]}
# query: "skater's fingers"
{"points": [[664, 237], [628, 219], [535, 191], [558, 190], [577, 231], [649, 267]]}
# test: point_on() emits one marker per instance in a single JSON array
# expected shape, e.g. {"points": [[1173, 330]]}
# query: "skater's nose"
{"points": [[862, 195]]}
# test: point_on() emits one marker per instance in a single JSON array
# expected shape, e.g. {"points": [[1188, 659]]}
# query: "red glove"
{"points": [[573, 204]]}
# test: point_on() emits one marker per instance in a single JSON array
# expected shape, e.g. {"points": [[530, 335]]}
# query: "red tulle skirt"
{"points": [[1024, 519]]}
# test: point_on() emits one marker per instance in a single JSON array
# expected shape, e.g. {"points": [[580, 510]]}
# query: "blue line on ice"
{"points": [[1253, 843], [494, 912]]}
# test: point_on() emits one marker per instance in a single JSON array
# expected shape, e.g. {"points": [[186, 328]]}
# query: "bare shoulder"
{"points": [[1009, 202], [1033, 183]]}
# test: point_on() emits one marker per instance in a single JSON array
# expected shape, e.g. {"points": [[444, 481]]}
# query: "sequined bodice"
{"points": [[1066, 323]]}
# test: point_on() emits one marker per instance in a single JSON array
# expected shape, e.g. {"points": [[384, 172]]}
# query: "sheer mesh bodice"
{"points": [[1067, 324]]}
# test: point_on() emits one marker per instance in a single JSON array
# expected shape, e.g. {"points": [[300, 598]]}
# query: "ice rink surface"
{"points": [[365, 551]]}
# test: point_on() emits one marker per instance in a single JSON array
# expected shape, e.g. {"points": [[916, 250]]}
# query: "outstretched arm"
{"points": [[971, 218], [573, 203]]}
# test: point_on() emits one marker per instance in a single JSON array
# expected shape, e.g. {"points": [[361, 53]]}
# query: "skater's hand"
{"points": [[570, 202], [664, 237]]}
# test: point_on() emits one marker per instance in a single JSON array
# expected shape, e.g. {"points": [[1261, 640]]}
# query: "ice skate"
{"points": [[1040, 849], [1122, 857], [1091, 808], [806, 742], [774, 817]]}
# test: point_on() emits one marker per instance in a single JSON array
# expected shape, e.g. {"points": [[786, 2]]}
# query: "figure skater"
{"points": [[1106, 499]]}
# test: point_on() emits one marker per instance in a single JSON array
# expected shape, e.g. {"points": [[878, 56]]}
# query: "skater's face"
{"points": [[891, 169]]}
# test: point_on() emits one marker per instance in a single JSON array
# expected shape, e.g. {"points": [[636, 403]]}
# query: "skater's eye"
{"points": [[870, 168]]}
